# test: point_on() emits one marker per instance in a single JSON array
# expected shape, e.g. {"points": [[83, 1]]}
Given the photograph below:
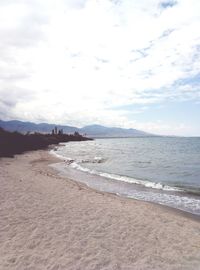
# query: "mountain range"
{"points": [[94, 131]]}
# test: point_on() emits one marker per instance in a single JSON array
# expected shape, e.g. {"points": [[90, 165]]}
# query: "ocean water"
{"points": [[163, 170]]}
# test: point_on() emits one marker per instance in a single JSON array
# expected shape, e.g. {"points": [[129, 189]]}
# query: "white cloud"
{"points": [[76, 60]]}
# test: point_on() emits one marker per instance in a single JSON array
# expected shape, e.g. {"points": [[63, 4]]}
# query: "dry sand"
{"points": [[49, 222]]}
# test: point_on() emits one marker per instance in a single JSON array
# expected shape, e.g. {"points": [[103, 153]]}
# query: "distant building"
{"points": [[57, 131]]}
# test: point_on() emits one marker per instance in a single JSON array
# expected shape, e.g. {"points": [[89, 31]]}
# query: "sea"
{"points": [[162, 170]]}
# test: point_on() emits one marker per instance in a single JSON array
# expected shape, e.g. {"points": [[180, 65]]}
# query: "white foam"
{"points": [[185, 203], [53, 152], [74, 165], [68, 160], [98, 159], [127, 179], [94, 160], [139, 182]]}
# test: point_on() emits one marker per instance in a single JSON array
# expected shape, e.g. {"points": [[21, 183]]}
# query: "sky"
{"points": [[122, 63]]}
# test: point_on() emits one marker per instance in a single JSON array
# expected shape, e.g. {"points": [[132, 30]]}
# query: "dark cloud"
{"points": [[6, 109], [167, 4], [167, 33], [22, 29], [10, 96], [7, 103], [143, 52]]}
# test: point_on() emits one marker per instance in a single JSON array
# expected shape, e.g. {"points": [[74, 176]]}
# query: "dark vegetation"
{"points": [[12, 143]]}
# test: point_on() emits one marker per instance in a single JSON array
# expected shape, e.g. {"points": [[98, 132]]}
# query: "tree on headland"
{"points": [[12, 143], [76, 134], [60, 131]]}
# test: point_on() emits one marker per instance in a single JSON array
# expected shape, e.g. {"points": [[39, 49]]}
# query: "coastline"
{"points": [[111, 166], [86, 186], [51, 222]]}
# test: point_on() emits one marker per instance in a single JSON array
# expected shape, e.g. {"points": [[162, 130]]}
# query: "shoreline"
{"points": [[51, 222], [84, 185], [62, 173]]}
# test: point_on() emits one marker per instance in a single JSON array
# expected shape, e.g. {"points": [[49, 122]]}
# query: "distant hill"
{"points": [[24, 127], [101, 131], [91, 131]]}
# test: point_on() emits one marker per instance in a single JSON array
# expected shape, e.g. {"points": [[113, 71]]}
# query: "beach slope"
{"points": [[49, 222]]}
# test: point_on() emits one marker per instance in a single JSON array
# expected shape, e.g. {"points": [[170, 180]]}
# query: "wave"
{"points": [[75, 164], [126, 179], [147, 184], [185, 203], [176, 197], [95, 160], [54, 153]]}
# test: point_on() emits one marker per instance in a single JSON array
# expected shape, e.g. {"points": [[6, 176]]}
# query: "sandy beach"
{"points": [[50, 222]]}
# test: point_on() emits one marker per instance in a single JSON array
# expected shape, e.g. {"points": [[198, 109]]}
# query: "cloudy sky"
{"points": [[124, 63]]}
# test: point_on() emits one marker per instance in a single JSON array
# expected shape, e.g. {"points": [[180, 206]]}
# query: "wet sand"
{"points": [[50, 222]]}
